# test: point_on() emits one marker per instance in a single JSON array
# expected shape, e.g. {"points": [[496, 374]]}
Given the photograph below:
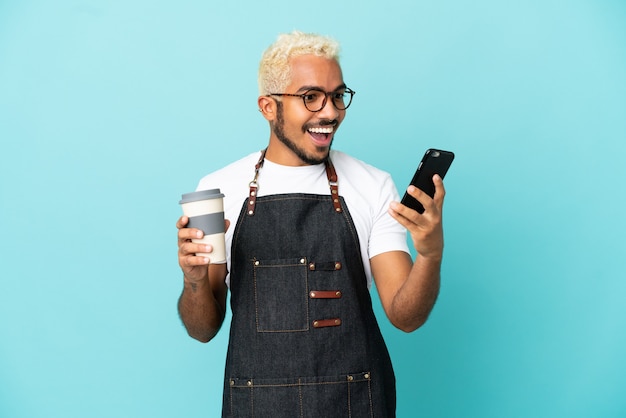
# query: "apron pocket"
{"points": [[314, 397], [281, 295]]}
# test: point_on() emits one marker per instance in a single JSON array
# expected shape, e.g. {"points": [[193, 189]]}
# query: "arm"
{"points": [[202, 304], [408, 290]]}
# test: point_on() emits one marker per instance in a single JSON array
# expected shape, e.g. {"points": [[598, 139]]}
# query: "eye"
{"points": [[339, 95], [311, 96]]}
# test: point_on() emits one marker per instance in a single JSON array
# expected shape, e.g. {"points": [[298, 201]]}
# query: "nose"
{"points": [[329, 111]]}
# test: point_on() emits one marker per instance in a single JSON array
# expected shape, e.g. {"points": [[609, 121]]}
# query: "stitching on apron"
{"points": [[349, 401], [300, 395], [369, 393], [341, 379]]}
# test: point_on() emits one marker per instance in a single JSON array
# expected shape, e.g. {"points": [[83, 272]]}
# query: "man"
{"points": [[313, 227]]}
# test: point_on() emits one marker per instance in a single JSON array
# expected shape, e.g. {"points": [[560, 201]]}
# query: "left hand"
{"points": [[426, 229]]}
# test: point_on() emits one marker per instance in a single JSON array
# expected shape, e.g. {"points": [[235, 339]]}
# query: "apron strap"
{"points": [[332, 181], [331, 174], [254, 185]]}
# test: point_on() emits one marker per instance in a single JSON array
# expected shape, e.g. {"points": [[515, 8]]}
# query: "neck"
{"points": [[280, 153]]}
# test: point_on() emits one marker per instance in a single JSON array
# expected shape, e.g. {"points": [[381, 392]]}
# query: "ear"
{"points": [[267, 107]]}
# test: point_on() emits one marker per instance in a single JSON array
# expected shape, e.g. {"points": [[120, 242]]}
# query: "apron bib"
{"points": [[304, 341]]}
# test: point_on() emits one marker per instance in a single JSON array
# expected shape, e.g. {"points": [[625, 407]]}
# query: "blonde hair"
{"points": [[274, 69]]}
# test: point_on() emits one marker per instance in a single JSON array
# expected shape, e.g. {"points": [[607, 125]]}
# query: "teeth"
{"points": [[321, 130]]}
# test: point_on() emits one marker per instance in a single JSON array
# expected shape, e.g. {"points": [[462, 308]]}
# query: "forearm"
{"points": [[416, 298], [411, 294], [200, 310]]}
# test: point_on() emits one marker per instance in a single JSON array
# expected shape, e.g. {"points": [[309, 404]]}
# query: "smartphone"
{"points": [[435, 161]]}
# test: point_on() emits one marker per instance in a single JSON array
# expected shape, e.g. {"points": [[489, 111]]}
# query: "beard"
{"points": [[278, 127]]}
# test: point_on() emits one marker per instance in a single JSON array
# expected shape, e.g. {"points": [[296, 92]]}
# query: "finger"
{"points": [[417, 193], [192, 255], [186, 234], [182, 222], [193, 261], [191, 248], [421, 196], [401, 219], [403, 214], [440, 191], [226, 224]]}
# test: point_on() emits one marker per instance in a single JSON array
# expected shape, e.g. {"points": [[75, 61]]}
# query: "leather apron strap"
{"points": [[331, 174]]}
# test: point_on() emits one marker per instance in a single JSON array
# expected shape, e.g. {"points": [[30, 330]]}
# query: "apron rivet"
{"points": [[257, 262], [366, 375], [350, 378], [315, 324], [302, 261], [232, 383], [250, 212], [337, 266], [338, 294], [312, 294], [249, 382]]}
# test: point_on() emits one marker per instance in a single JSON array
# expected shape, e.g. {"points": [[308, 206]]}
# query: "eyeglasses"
{"points": [[315, 100]]}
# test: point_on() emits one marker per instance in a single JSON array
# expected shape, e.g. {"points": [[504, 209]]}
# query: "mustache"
{"points": [[321, 123]]}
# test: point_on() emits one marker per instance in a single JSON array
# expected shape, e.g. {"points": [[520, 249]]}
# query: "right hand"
{"points": [[194, 268]]}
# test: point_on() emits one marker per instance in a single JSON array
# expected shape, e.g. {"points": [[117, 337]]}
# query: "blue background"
{"points": [[109, 110]]}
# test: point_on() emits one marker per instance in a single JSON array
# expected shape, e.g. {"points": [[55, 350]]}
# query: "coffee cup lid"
{"points": [[201, 195]]}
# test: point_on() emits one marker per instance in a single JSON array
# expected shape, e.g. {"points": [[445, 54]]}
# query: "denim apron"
{"points": [[304, 341]]}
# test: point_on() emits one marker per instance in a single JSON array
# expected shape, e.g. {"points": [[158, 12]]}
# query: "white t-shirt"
{"points": [[366, 190]]}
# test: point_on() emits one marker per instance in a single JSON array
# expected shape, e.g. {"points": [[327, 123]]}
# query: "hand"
{"points": [[194, 268], [426, 229]]}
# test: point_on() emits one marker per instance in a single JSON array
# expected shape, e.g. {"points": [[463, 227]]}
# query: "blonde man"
{"points": [[314, 227]]}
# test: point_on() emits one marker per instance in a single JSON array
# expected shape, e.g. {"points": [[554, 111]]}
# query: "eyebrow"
{"points": [[307, 88]]}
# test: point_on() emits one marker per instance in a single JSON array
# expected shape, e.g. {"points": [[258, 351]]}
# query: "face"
{"points": [[299, 136]]}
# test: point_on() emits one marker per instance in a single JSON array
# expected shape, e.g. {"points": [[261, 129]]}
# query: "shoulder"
{"points": [[341, 159], [359, 174], [368, 190]]}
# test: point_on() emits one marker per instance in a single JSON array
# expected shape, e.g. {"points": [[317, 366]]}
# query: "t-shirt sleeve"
{"points": [[387, 234]]}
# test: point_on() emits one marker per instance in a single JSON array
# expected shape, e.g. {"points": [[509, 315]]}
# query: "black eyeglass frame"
{"points": [[326, 94]]}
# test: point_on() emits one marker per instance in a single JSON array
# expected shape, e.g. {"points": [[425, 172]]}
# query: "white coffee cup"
{"points": [[205, 210]]}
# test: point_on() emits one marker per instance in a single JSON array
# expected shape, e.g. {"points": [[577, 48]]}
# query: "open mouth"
{"points": [[321, 136]]}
